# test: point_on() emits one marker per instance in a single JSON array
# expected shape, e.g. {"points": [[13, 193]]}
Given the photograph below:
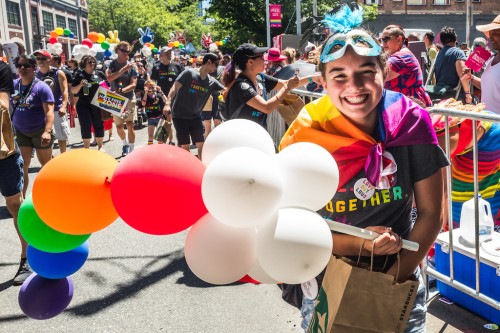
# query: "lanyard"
{"points": [[25, 93]]}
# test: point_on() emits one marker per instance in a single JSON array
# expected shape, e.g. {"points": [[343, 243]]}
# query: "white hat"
{"points": [[495, 24], [310, 47]]}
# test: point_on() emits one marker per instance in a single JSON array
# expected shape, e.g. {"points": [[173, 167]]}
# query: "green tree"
{"points": [[163, 17]]}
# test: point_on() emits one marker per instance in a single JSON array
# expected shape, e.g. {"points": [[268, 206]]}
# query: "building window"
{"points": [[416, 2], [48, 21], [84, 28], [373, 2], [34, 21], [72, 26], [60, 21], [13, 14], [441, 2]]}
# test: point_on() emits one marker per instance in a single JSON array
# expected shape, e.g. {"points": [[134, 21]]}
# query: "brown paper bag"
{"points": [[290, 107], [7, 146], [354, 299]]}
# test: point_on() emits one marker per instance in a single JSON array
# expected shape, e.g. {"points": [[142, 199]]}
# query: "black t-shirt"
{"points": [[6, 79], [243, 90], [154, 105], [390, 207], [165, 75], [94, 79]]}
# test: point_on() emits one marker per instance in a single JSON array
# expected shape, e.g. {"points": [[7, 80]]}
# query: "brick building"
{"points": [[28, 23], [433, 14]]}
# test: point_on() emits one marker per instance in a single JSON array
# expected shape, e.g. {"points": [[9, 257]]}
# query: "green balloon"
{"points": [[155, 50], [40, 235], [67, 32], [181, 46], [105, 45]]}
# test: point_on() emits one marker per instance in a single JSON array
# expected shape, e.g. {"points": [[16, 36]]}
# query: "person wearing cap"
{"points": [[165, 72], [122, 76], [432, 50], [489, 82], [57, 81], [247, 95], [449, 66], [275, 61], [186, 99]]}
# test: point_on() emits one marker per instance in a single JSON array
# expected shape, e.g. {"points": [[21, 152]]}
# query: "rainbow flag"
{"points": [[401, 123]]}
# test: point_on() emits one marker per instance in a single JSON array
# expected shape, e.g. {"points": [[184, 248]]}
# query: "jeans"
{"points": [[416, 321]]}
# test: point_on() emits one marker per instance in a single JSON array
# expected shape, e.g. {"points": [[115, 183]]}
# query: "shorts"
{"points": [[153, 121], [130, 111], [214, 114], [188, 130], [34, 139], [12, 179], [61, 127]]}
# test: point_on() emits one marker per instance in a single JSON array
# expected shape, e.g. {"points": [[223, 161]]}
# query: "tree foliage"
{"points": [[163, 17]]}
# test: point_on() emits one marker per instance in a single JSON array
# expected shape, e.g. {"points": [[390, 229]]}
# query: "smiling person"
{"points": [[33, 115], [404, 74], [367, 128]]}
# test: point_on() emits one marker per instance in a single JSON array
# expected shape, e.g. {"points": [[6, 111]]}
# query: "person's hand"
{"points": [[387, 243], [45, 139], [62, 111], [468, 98], [466, 74], [158, 88], [316, 77], [146, 90], [293, 83], [84, 82], [167, 110]]}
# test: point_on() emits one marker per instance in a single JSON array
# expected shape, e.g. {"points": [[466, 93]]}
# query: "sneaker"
{"points": [[23, 272], [125, 150], [171, 143]]}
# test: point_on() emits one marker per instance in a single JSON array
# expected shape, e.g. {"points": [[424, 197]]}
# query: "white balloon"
{"points": [[76, 49], [58, 51], [236, 133], [258, 274], [217, 253], [78, 56], [58, 45], [310, 175], [92, 52], [242, 187], [295, 246]]}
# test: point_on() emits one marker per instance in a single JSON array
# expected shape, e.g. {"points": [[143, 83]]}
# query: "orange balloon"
{"points": [[93, 36], [147, 44], [71, 193], [53, 34]]}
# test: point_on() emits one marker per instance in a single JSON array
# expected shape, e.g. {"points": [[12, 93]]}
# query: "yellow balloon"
{"points": [[176, 43], [100, 38], [151, 46], [59, 31]]}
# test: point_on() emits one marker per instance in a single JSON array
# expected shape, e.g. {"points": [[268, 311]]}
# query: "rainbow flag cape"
{"points": [[401, 123], [462, 169]]}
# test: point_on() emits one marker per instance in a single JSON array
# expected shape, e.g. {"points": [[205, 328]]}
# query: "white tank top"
{"points": [[490, 87]]}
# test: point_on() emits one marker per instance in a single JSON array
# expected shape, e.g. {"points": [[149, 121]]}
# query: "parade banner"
{"points": [[11, 51], [477, 59], [275, 16], [110, 101]]}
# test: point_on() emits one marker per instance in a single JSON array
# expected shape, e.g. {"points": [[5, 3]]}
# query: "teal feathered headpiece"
{"points": [[343, 20]]}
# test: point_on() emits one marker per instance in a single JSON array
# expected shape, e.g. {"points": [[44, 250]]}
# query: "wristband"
{"points": [[467, 93], [310, 79]]}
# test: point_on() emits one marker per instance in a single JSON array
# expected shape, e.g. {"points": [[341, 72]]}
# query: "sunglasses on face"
{"points": [[361, 42], [41, 59], [91, 62], [385, 39], [23, 66], [124, 51]]}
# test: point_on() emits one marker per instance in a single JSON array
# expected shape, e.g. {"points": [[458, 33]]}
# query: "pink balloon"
{"points": [[87, 42], [157, 189]]}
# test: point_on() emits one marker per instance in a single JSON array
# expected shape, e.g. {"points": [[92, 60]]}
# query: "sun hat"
{"points": [[274, 55], [495, 24]]}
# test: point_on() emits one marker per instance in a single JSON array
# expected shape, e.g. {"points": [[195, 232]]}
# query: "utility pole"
{"points": [[468, 14], [299, 18], [268, 24]]}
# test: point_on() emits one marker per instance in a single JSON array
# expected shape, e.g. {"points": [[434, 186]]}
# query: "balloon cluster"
{"points": [[176, 44], [57, 237], [148, 49], [262, 220], [147, 36], [54, 47], [223, 41]]}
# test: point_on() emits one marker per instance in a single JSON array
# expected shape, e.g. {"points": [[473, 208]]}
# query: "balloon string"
{"points": [[107, 180]]}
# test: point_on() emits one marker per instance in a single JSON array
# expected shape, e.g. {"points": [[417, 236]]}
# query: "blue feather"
{"points": [[344, 20]]}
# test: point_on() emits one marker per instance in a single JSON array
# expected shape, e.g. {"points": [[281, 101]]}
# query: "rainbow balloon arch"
{"points": [[252, 212]]}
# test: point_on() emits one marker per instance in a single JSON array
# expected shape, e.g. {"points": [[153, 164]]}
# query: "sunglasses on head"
{"points": [[24, 65], [361, 42]]}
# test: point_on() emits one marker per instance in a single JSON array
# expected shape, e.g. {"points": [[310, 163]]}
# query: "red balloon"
{"points": [[53, 40], [87, 42], [157, 189]]}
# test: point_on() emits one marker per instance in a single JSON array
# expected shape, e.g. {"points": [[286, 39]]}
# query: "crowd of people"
{"points": [[375, 96]]}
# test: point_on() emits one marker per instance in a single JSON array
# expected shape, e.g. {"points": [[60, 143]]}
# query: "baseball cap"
{"points": [[479, 42], [310, 46], [42, 53], [248, 50], [165, 49]]}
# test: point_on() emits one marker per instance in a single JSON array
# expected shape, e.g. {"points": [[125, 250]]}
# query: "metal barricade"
{"points": [[428, 271]]}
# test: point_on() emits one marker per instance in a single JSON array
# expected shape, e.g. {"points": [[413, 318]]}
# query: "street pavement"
{"points": [[133, 282]]}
